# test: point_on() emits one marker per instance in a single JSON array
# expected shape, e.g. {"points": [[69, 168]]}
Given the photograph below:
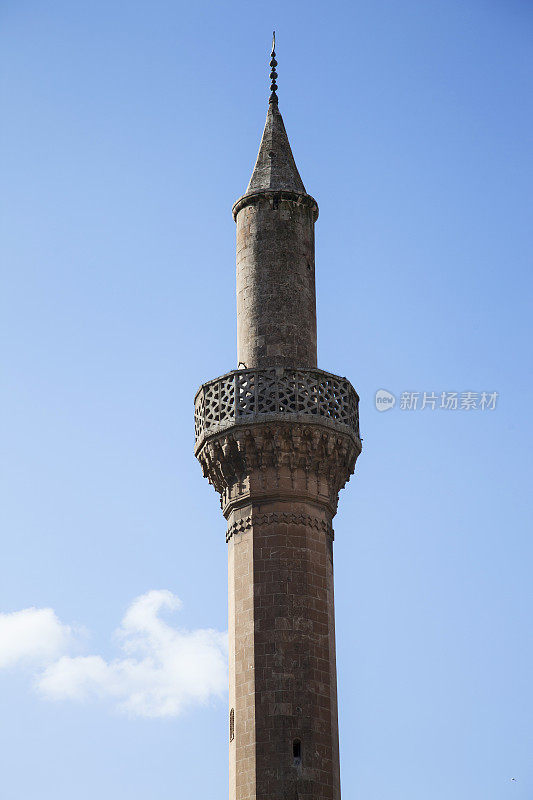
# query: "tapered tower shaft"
{"points": [[276, 299], [278, 438]]}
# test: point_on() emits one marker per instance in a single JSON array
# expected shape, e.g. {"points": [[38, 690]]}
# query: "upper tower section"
{"points": [[276, 299], [277, 426]]}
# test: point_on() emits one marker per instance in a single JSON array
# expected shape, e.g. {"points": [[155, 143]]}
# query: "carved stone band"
{"points": [[284, 517], [276, 395], [262, 462]]}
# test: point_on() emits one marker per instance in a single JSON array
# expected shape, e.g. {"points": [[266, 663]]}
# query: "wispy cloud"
{"points": [[161, 670], [33, 635]]}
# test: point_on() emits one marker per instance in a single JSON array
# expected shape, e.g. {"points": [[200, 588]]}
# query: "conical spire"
{"points": [[275, 168]]}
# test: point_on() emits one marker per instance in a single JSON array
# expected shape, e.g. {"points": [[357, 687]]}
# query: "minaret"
{"points": [[278, 438]]}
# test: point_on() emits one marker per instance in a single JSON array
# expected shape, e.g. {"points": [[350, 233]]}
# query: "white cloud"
{"points": [[163, 669], [32, 635]]}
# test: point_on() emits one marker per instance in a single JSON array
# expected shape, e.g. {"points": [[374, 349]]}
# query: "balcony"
{"points": [[278, 394]]}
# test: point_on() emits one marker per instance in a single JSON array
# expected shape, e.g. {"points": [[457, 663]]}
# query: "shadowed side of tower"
{"points": [[278, 440]]}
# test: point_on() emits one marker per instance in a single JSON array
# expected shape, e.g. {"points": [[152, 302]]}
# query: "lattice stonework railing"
{"points": [[248, 395]]}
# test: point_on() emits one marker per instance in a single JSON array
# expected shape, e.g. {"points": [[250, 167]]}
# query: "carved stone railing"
{"points": [[277, 394]]}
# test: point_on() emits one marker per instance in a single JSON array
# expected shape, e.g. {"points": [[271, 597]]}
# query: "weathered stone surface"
{"points": [[279, 485], [278, 440], [275, 395], [276, 305], [282, 640], [282, 460], [275, 167]]}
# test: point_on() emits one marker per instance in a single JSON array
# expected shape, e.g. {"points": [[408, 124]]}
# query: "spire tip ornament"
{"points": [[273, 74]]}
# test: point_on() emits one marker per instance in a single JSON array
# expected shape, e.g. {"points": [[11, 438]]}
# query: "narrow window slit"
{"points": [[297, 752], [231, 725]]}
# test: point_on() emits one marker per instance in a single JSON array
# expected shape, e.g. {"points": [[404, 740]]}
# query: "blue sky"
{"points": [[128, 131]]}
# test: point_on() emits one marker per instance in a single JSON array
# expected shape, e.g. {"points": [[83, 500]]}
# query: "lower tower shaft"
{"points": [[278, 472]]}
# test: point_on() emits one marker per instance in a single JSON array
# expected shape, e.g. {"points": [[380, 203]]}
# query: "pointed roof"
{"points": [[275, 168]]}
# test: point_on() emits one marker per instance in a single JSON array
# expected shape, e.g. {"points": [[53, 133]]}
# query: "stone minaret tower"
{"points": [[278, 438]]}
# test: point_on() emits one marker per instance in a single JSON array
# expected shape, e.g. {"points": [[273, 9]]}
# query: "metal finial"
{"points": [[273, 73]]}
